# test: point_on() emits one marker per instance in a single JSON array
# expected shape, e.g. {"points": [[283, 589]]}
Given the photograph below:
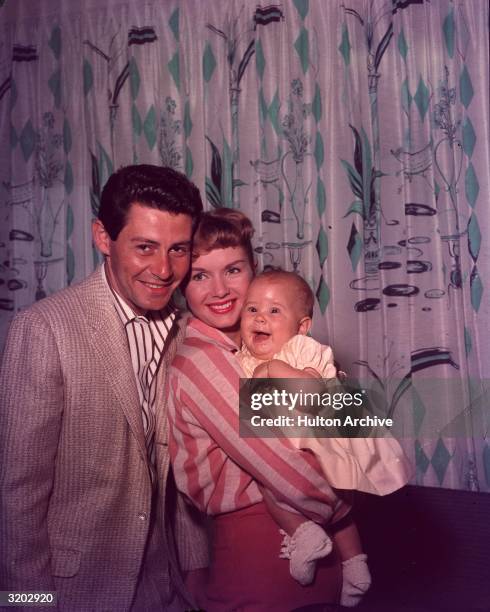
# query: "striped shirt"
{"points": [[146, 339], [216, 468]]}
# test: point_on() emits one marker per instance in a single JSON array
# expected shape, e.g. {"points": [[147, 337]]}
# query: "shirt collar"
{"points": [[215, 336]]}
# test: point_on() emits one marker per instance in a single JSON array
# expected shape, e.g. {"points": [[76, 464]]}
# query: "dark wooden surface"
{"points": [[428, 550]]}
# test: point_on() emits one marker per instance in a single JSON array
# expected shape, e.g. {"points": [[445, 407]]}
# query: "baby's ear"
{"points": [[304, 326]]}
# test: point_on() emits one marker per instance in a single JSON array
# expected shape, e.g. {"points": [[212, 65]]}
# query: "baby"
{"points": [[275, 320]]}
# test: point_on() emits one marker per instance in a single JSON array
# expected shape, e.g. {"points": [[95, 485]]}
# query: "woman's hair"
{"points": [[301, 292], [221, 228]]}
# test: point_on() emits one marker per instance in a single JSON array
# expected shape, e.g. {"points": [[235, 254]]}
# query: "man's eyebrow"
{"points": [[143, 239], [155, 242]]}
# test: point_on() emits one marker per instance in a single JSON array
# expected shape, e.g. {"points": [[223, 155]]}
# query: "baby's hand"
{"points": [[276, 368], [262, 370]]}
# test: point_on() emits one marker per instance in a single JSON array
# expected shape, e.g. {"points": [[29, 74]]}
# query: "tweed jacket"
{"points": [[77, 511]]}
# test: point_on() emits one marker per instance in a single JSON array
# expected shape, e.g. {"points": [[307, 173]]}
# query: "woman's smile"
{"points": [[222, 307]]}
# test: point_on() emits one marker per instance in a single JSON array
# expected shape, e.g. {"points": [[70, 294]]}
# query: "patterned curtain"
{"points": [[354, 133]]}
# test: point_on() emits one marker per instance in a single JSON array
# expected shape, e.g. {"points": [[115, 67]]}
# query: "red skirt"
{"points": [[247, 575]]}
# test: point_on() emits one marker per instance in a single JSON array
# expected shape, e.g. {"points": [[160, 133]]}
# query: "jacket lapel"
{"points": [[112, 351], [173, 340]]}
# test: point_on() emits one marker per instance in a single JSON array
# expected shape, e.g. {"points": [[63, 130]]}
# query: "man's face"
{"points": [[149, 258]]}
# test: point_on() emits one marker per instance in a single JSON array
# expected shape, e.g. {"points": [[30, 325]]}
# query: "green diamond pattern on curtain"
{"points": [[70, 223], [259, 59], [402, 45], [316, 105], [471, 186], [354, 246], [189, 163], [321, 198], [302, 46], [422, 98], [70, 264], [469, 137], [474, 237], [344, 46], [88, 77], [150, 127], [466, 87], [174, 69], [323, 295], [208, 63], [274, 107], [440, 460], [134, 78], [449, 32], [27, 140], [55, 42], [319, 152], [173, 22], [263, 110], [322, 246], [302, 6], [187, 123], [486, 463], [476, 289]]}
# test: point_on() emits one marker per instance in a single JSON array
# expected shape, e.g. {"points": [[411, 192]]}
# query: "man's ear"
{"points": [[101, 238], [304, 326]]}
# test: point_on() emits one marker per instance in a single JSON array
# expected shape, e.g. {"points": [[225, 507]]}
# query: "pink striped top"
{"points": [[216, 468]]}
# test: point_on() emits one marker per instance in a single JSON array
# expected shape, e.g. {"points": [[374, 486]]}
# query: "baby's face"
{"points": [[270, 317]]}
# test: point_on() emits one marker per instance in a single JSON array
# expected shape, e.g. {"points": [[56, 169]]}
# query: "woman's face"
{"points": [[217, 288]]}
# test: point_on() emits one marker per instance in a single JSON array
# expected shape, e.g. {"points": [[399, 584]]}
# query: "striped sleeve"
{"points": [[217, 468]]}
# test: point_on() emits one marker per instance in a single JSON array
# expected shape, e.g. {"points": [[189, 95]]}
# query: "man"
{"points": [[88, 508]]}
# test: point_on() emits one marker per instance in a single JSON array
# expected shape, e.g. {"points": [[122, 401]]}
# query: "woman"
{"points": [[222, 473]]}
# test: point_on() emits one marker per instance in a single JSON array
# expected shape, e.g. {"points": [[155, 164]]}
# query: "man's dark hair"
{"points": [[153, 186]]}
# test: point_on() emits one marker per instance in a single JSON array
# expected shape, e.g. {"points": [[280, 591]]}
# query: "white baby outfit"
{"points": [[372, 465]]}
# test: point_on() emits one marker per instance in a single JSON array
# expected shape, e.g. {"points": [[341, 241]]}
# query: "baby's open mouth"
{"points": [[260, 336]]}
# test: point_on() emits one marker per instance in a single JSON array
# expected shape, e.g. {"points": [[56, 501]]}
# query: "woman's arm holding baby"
{"points": [[276, 368]]}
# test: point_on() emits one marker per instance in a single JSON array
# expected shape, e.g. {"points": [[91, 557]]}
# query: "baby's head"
{"points": [[278, 306]]}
